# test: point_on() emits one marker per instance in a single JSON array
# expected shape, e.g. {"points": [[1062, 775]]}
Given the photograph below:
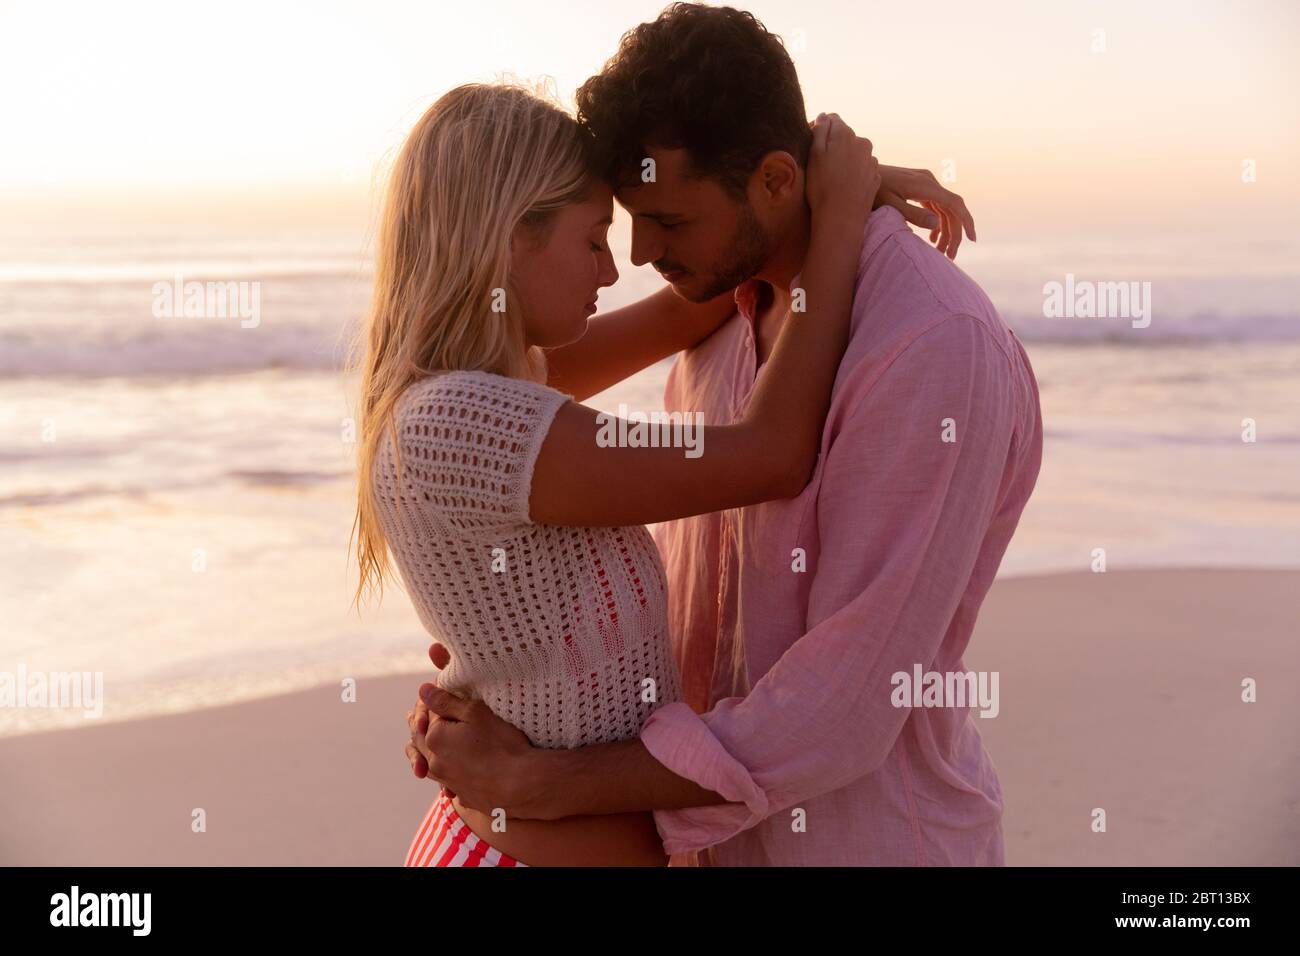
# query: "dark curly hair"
{"points": [[710, 79]]}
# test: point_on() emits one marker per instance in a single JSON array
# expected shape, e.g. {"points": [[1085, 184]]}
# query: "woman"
{"points": [[519, 538]]}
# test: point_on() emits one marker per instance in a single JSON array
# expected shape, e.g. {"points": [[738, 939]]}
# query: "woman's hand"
{"points": [[944, 212], [417, 718], [843, 176]]}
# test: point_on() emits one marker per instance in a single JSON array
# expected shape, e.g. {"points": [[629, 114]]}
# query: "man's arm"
{"points": [[902, 516], [490, 763], [603, 778]]}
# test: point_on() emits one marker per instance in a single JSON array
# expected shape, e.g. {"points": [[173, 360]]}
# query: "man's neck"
{"points": [[778, 272], [786, 260]]}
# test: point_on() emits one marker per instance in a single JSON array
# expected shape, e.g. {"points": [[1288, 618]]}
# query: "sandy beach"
{"points": [[191, 313], [1119, 690]]}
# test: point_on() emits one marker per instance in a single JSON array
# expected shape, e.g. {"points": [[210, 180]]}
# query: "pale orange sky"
{"points": [[305, 102]]}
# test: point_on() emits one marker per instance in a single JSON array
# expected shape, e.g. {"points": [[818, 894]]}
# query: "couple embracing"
{"points": [[720, 693]]}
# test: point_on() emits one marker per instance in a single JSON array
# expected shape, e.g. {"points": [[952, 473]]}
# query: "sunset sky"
{"points": [[114, 101]]}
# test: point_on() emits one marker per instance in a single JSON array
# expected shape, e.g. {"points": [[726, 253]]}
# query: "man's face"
{"points": [[699, 237]]}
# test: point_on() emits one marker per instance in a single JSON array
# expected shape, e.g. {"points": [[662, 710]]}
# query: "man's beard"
{"points": [[749, 247]]}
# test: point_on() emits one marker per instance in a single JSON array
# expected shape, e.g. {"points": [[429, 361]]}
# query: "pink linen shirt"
{"points": [[929, 454]]}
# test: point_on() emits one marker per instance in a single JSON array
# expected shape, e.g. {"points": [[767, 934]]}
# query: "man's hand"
{"points": [[478, 757]]}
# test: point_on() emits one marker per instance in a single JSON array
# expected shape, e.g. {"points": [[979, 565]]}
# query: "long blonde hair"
{"points": [[482, 160]]}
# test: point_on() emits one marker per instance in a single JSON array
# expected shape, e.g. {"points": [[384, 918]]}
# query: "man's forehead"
{"points": [[662, 186], [651, 199]]}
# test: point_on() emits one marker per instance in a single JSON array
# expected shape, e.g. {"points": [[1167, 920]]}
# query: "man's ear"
{"points": [[779, 178]]}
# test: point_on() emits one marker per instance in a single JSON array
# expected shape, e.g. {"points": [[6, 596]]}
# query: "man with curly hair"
{"points": [[793, 620]]}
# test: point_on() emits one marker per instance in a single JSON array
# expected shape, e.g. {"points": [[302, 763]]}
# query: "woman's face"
{"points": [[557, 283]]}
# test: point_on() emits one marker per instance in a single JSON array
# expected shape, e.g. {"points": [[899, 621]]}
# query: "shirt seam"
{"points": [[939, 298], [914, 815], [861, 399]]}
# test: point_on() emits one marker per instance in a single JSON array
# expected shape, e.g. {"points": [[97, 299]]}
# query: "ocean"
{"points": [[175, 492]]}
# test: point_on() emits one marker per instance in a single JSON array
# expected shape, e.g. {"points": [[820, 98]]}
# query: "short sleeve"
{"points": [[468, 442]]}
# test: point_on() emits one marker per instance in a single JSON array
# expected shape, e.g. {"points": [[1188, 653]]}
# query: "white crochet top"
{"points": [[561, 631]]}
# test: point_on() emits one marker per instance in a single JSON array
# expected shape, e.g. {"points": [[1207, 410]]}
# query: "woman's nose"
{"points": [[608, 271]]}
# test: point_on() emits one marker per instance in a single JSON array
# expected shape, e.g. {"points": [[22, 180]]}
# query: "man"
{"points": [[790, 619]]}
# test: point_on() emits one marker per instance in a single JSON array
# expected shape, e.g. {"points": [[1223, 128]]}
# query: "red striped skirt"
{"points": [[443, 839]]}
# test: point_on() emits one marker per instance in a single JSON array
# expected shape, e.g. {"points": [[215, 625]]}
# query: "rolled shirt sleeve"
{"points": [[901, 514]]}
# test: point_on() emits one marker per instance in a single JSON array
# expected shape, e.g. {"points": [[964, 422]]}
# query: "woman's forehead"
{"points": [[599, 204]]}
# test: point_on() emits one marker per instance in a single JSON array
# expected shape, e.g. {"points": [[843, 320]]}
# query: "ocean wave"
{"points": [[35, 499], [107, 331], [255, 478], [36, 276], [200, 350], [287, 478], [1199, 328], [1113, 439]]}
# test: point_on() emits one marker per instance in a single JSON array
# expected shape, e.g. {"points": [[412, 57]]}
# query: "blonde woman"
{"points": [[519, 538]]}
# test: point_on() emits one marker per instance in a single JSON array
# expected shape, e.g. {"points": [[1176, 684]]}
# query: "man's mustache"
{"points": [[662, 267]]}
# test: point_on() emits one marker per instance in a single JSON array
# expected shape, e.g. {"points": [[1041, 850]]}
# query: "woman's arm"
{"points": [[629, 339], [944, 212], [771, 452]]}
